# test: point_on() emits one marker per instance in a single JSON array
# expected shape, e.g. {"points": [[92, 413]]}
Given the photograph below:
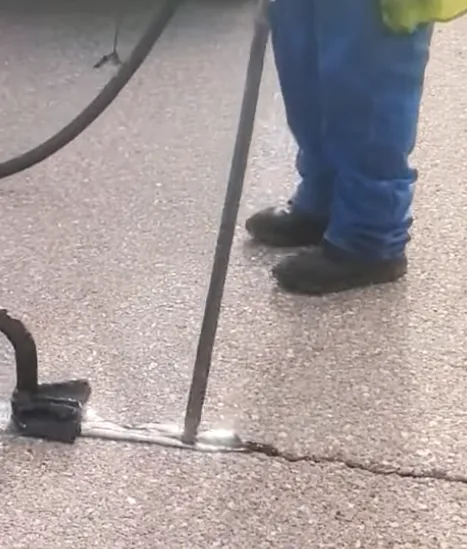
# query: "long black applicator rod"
{"points": [[225, 237]]}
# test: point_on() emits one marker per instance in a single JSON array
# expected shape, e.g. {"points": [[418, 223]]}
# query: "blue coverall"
{"points": [[352, 91]]}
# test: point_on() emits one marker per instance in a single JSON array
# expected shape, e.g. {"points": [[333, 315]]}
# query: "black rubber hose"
{"points": [[159, 21], [25, 352]]}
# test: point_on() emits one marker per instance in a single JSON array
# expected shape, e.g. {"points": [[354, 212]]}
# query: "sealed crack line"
{"points": [[376, 469], [39, 411], [219, 441]]}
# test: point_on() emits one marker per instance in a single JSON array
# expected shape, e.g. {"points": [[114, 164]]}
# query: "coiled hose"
{"points": [[159, 20]]}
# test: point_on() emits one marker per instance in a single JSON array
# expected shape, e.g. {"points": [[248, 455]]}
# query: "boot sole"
{"points": [[274, 240], [352, 283]]}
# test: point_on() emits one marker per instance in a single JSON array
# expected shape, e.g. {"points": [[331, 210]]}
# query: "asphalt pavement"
{"points": [[106, 250]]}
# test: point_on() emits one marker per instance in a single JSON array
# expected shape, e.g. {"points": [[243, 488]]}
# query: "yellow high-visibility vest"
{"points": [[406, 15]]}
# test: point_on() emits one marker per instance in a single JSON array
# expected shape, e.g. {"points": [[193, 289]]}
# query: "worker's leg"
{"points": [[371, 81], [296, 55]]}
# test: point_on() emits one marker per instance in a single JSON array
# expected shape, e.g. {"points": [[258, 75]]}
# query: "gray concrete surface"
{"points": [[106, 250]]}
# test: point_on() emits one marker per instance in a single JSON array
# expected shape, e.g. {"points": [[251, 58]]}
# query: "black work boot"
{"points": [[327, 269], [285, 228]]}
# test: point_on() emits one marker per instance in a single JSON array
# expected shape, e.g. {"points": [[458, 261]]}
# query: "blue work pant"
{"points": [[352, 91]]}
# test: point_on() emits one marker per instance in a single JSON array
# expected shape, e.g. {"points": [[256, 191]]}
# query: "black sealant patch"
{"points": [[52, 411]]}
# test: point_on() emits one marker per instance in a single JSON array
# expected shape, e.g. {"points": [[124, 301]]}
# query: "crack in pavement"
{"points": [[252, 447], [26, 362], [374, 468]]}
